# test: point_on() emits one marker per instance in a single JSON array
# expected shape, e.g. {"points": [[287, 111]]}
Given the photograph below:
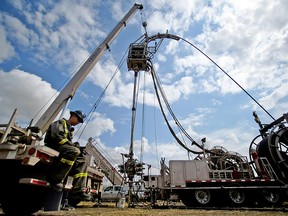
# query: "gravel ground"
{"points": [[174, 212], [87, 209]]}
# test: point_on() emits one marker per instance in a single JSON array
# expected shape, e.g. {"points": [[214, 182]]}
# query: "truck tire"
{"points": [[20, 209], [237, 197], [27, 201], [271, 198], [203, 197]]}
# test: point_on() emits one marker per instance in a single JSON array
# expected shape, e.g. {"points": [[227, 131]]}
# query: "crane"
{"points": [[24, 161]]}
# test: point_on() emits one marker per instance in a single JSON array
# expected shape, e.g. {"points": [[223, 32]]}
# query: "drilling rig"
{"points": [[216, 172]]}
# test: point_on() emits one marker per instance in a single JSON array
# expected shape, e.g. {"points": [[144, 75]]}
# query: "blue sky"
{"points": [[44, 42]]}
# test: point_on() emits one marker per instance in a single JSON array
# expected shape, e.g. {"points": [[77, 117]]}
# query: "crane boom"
{"points": [[27, 162], [68, 92]]}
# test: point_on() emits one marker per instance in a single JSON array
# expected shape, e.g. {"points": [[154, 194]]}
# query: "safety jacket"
{"points": [[70, 161], [59, 133]]}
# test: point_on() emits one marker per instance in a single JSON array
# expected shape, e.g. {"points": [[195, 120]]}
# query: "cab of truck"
{"points": [[114, 193]]}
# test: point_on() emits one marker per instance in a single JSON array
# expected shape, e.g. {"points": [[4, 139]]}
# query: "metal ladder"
{"points": [[267, 167]]}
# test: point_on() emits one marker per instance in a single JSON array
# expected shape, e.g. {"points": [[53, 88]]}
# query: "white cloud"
{"points": [[103, 72], [273, 98], [24, 91], [18, 4], [161, 58], [7, 50], [248, 39], [95, 125], [19, 32], [230, 139], [70, 25], [171, 151], [98, 125], [174, 16], [113, 155], [118, 12]]}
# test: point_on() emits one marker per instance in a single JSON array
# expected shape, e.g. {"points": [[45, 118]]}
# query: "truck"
{"points": [[261, 180], [98, 167], [116, 192], [24, 161], [119, 188]]}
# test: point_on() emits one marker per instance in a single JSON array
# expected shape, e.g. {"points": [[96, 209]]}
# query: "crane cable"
{"points": [[143, 120], [54, 95], [94, 107], [156, 80], [156, 83], [155, 132], [229, 77], [170, 110]]}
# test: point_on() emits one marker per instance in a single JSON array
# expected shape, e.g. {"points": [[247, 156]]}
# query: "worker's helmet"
{"points": [[79, 114]]}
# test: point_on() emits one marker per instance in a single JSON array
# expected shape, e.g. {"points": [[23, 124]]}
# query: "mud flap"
{"points": [[53, 200]]}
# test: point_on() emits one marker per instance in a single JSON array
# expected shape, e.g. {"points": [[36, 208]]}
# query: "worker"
{"points": [[70, 160]]}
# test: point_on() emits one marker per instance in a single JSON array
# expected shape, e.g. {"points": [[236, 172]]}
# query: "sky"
{"points": [[43, 43]]}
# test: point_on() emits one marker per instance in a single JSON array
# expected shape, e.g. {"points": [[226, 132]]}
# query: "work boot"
{"points": [[56, 186], [66, 206], [80, 196], [97, 205]]}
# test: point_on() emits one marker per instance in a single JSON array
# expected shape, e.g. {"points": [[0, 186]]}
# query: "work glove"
{"points": [[83, 150]]}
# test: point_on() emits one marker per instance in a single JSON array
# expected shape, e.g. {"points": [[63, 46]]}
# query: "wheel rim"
{"points": [[203, 196], [237, 196], [271, 196]]}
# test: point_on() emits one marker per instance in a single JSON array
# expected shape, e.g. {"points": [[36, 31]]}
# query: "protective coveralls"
{"points": [[70, 160]]}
